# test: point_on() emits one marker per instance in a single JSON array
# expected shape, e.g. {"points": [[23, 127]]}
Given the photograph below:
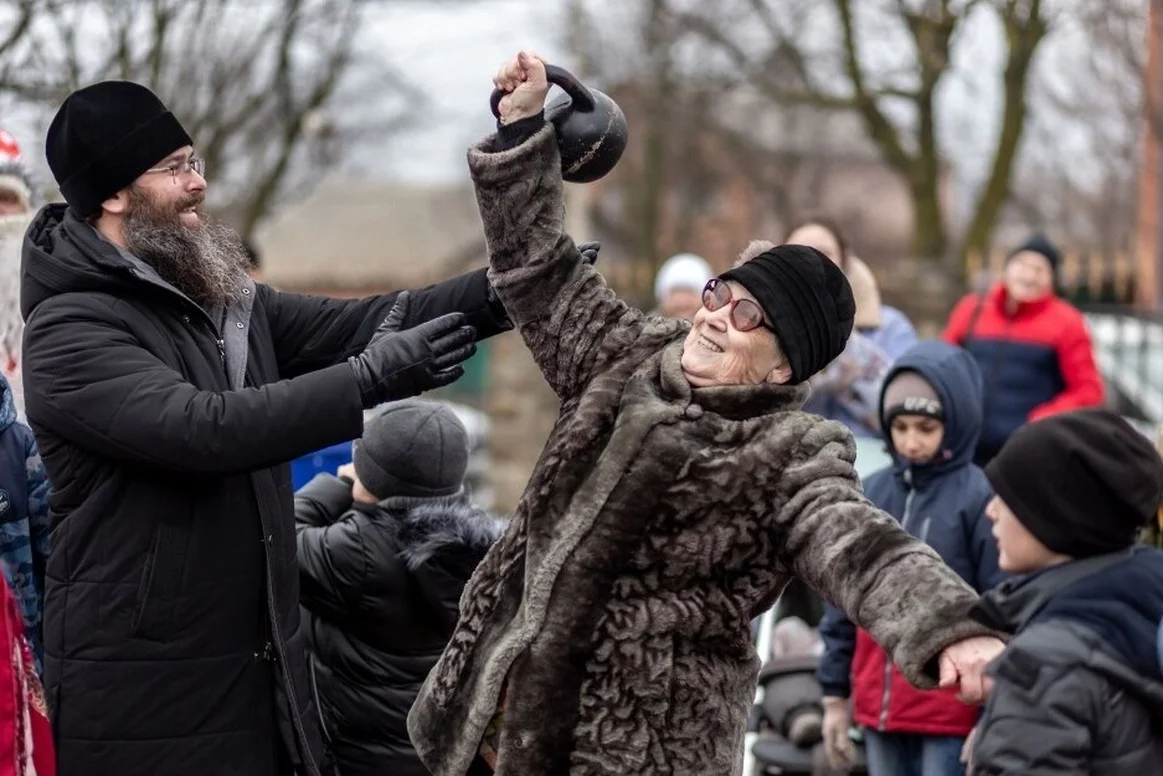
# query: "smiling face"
{"points": [[717, 353], [1028, 277]]}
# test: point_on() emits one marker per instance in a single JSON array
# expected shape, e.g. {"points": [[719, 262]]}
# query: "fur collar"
{"points": [[429, 528], [736, 402]]}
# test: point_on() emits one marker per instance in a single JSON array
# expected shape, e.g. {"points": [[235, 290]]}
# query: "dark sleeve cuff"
{"points": [[512, 135]]}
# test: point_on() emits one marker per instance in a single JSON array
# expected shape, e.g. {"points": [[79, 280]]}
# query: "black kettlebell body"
{"points": [[591, 128]]}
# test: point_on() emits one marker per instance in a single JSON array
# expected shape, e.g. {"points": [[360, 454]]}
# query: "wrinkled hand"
{"points": [[398, 364], [589, 252], [525, 85], [838, 746], [964, 664]]}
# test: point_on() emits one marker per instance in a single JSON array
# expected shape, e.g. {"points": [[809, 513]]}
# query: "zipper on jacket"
{"points": [[886, 696], [306, 755]]}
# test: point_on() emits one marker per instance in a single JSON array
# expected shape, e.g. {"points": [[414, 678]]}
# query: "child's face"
{"points": [[1018, 550], [916, 438]]}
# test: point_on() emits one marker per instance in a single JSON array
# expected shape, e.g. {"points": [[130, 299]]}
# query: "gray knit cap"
{"points": [[412, 448]]}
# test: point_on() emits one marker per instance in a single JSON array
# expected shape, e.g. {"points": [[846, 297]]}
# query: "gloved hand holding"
{"points": [[838, 747], [589, 252], [399, 363]]}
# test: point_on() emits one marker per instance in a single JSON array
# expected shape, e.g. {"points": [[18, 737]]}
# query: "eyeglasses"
{"points": [[745, 314], [193, 164]]}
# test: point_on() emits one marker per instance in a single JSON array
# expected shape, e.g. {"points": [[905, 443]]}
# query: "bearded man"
{"points": [[167, 391]]}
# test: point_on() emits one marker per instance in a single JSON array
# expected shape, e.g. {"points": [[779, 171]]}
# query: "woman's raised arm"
{"points": [[570, 319]]}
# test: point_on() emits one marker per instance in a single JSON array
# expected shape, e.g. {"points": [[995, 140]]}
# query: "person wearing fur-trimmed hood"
{"points": [[384, 551]]}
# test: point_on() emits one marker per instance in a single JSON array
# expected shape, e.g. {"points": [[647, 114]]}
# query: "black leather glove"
{"points": [[398, 363], [589, 252]]}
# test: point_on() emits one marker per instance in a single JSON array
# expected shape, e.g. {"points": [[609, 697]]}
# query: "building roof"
{"points": [[353, 234]]}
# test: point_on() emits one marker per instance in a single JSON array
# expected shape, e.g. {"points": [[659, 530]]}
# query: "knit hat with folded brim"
{"points": [[1083, 483], [808, 300]]}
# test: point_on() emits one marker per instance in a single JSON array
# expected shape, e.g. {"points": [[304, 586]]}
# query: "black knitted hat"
{"points": [[807, 298], [104, 136], [1083, 483]]}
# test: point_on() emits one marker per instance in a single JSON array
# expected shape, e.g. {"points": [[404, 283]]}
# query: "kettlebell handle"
{"points": [[580, 98]]}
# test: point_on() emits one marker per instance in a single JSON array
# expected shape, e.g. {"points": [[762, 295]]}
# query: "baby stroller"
{"points": [[784, 731]]}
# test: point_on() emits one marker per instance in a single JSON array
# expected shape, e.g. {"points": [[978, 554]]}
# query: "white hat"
{"points": [[683, 270]]}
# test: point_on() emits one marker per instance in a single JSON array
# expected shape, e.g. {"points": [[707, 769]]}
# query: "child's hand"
{"points": [[346, 472]]}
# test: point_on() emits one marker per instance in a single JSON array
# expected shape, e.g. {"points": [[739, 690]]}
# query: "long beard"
{"points": [[206, 263]]}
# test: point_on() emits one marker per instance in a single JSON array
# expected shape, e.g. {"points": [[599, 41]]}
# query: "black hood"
{"points": [[953, 374], [63, 255]]}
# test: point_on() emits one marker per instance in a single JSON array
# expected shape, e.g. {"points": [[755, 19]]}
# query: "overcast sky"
{"points": [[451, 49]]}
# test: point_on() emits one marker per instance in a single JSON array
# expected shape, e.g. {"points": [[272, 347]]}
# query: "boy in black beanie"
{"points": [[1079, 689]]}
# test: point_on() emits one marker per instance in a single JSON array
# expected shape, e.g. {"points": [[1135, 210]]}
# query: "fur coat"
{"points": [[658, 521]]}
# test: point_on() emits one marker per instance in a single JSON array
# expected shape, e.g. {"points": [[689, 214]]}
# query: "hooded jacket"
{"points": [[943, 504], [1035, 361], [172, 633], [380, 589], [610, 625], [1079, 688], [24, 520]]}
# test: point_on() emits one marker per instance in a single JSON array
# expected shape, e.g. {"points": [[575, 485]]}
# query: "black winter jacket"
{"points": [[1079, 689], [171, 627], [381, 589]]}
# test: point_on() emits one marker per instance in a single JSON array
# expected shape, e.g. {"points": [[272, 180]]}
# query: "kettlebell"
{"points": [[591, 128]]}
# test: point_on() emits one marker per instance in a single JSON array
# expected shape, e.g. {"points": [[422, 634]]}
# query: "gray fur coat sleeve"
{"points": [[860, 559], [570, 319]]}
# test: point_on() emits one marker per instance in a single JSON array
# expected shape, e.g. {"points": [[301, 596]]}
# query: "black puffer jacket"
{"points": [[171, 629], [381, 588], [1079, 689]]}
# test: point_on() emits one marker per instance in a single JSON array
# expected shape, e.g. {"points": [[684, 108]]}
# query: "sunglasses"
{"points": [[745, 314]]}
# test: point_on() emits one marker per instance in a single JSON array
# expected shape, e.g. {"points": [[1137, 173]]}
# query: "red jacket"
{"points": [[1035, 361], [26, 746], [882, 699]]}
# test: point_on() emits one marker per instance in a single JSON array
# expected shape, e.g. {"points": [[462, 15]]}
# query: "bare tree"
{"points": [[690, 142], [255, 83], [897, 102], [1077, 176]]}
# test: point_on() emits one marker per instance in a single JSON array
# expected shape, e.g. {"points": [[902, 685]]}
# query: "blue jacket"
{"points": [[942, 503], [24, 522]]}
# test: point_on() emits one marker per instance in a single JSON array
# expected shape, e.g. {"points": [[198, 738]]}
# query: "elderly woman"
{"points": [[681, 488]]}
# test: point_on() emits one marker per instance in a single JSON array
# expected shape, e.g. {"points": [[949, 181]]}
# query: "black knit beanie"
{"points": [[104, 136], [1039, 244], [809, 302], [1083, 483]]}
